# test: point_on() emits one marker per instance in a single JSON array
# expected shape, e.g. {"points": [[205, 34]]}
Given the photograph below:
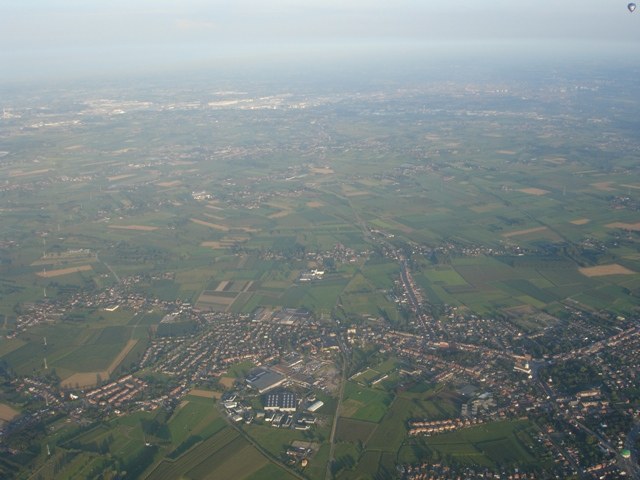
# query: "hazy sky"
{"points": [[49, 36]]}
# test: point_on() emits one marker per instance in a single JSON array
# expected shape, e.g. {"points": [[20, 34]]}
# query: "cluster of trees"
{"points": [[574, 375]]}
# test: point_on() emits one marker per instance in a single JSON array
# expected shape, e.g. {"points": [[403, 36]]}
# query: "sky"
{"points": [[54, 37]]}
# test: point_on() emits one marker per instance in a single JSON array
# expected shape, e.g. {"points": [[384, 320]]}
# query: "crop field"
{"points": [[210, 394], [79, 355], [284, 221], [222, 207], [64, 271], [139, 228], [604, 270], [201, 453], [7, 413], [238, 459], [196, 443], [89, 379]]}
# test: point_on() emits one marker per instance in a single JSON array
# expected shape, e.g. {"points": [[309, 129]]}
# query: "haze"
{"points": [[75, 38]]}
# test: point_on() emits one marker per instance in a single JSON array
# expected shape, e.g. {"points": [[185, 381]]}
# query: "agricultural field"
{"points": [[362, 403], [224, 455], [77, 355], [476, 223], [504, 443], [367, 448], [195, 442]]}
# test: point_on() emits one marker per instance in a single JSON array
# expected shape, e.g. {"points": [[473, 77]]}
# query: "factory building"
{"points": [[263, 379], [281, 402]]}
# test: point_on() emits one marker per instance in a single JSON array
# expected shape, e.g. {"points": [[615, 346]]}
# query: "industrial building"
{"points": [[263, 379], [281, 402], [315, 406]]}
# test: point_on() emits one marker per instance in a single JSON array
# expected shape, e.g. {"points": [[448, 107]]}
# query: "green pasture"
{"points": [[320, 297], [195, 417], [350, 430], [363, 403], [490, 444], [274, 440], [69, 349], [271, 471]]}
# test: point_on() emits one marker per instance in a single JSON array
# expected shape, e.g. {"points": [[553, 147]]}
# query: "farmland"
{"points": [[430, 238], [197, 443]]}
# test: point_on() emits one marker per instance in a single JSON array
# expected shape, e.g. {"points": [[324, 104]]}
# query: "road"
{"points": [[551, 403], [115, 275], [408, 286], [630, 465], [343, 381]]}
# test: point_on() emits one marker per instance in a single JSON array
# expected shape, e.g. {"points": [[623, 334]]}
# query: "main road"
{"points": [[332, 437], [630, 465]]}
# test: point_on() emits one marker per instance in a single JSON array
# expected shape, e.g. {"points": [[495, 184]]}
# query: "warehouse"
{"points": [[263, 380]]}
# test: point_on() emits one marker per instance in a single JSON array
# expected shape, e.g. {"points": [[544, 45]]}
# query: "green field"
{"points": [[196, 418], [510, 194], [506, 443], [362, 403]]}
